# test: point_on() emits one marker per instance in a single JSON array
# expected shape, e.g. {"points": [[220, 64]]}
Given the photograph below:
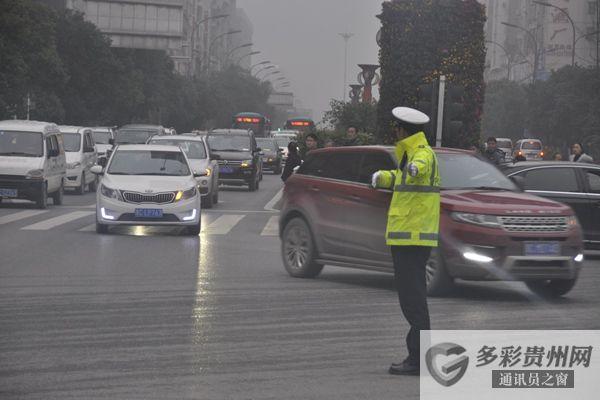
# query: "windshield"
{"points": [[21, 144], [464, 171], [193, 149], [133, 136], [505, 144], [229, 143], [267, 145], [72, 141], [531, 146], [101, 137], [153, 162]]}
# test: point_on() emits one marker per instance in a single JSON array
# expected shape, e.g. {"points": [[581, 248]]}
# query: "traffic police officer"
{"points": [[413, 224]]}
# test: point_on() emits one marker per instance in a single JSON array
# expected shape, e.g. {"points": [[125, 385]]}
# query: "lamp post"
{"points": [[257, 64], [193, 37], [268, 67], [270, 74], [535, 47], [242, 46], [541, 3], [212, 42], [509, 59], [250, 54], [346, 36]]}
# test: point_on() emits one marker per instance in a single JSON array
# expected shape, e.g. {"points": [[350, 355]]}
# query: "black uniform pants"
{"points": [[409, 274]]}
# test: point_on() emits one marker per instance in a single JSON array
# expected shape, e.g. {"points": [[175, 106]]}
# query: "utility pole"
{"points": [[440, 111], [597, 34], [346, 36]]}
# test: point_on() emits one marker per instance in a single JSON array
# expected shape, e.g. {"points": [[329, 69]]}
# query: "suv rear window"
{"points": [[531, 146]]}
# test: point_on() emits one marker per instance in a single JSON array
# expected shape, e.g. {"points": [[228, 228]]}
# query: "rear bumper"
{"points": [[238, 177]]}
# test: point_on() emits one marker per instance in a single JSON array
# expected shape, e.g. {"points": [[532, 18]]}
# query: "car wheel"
{"points": [[93, 185], [439, 282], [42, 200], [551, 288], [81, 188], [194, 230], [101, 228], [57, 197], [207, 201], [298, 250]]}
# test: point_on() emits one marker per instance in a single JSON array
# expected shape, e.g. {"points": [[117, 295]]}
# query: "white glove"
{"points": [[374, 179]]}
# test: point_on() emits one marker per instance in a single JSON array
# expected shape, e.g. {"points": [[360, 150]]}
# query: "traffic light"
{"points": [[454, 111], [428, 94]]}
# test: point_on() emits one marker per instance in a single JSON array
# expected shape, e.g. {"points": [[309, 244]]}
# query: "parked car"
{"points": [[272, 158], [575, 184], [33, 165], [104, 137], [489, 229], [196, 150], [531, 149], [148, 185], [239, 160], [137, 133], [81, 157]]}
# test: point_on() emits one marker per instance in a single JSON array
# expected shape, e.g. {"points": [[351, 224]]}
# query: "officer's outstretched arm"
{"points": [[383, 179], [420, 165]]}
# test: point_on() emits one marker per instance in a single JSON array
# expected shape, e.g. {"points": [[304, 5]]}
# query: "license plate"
{"points": [[148, 213], [8, 193], [226, 170], [542, 249]]}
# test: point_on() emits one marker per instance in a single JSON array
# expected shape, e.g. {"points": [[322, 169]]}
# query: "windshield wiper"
{"points": [[19, 153]]}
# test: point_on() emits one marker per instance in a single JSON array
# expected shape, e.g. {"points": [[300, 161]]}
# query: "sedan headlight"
{"points": [[186, 194], [246, 163], [110, 193], [35, 174], [490, 221], [73, 165], [572, 221], [208, 172]]}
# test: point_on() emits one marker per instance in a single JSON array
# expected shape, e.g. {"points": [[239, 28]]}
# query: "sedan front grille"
{"points": [[534, 224], [230, 163], [154, 198]]}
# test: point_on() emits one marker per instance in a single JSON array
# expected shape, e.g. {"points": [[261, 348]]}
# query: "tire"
{"points": [[439, 282], [57, 197], [81, 188], [298, 250], [194, 230], [551, 288], [207, 201], [101, 228], [42, 198], [93, 186]]}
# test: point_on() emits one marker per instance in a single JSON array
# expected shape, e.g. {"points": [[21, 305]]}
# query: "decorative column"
{"points": [[355, 93], [368, 77]]}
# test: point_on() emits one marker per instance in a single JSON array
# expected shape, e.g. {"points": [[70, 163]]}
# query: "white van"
{"points": [[32, 161], [81, 157], [531, 149], [103, 137]]}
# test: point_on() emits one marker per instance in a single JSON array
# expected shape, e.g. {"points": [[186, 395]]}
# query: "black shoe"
{"points": [[404, 369], [407, 360]]}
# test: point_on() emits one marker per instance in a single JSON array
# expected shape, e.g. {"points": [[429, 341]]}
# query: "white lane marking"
{"points": [[56, 221], [272, 227], [20, 215], [223, 225], [269, 206]]}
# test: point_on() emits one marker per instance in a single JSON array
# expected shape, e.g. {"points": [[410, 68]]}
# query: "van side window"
{"points": [[373, 162]]}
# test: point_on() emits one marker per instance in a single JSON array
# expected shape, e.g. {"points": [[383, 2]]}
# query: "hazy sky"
{"points": [[301, 36]]}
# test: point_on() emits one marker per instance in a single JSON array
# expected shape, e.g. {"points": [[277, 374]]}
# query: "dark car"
{"points": [[138, 133], [272, 157], [575, 184], [239, 158], [489, 228]]}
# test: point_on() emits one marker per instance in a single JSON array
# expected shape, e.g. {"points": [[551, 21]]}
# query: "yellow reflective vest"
{"points": [[414, 214]]}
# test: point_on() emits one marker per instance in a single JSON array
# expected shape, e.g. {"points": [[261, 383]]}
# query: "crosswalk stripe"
{"points": [[272, 227], [223, 225], [56, 221], [20, 215]]}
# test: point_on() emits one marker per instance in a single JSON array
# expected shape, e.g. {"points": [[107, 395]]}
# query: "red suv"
{"points": [[489, 229]]}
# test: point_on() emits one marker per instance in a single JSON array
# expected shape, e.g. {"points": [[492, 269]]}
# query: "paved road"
{"points": [[149, 314]]}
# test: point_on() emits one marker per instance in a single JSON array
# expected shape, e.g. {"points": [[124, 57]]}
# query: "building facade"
{"points": [[539, 35]]}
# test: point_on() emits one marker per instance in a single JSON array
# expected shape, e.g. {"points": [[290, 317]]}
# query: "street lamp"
{"points": [[212, 42], [193, 36], [509, 59], [260, 63], [243, 46], [270, 74], [264, 69], [535, 47], [346, 36], [541, 3], [252, 53]]}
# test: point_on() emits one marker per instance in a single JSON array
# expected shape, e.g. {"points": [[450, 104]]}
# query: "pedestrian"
{"points": [[351, 136], [578, 154], [492, 152], [412, 225], [311, 142], [293, 160], [558, 157]]}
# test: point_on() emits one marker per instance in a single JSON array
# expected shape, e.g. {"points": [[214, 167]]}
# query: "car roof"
{"points": [[30, 126], [71, 128], [230, 132], [249, 114], [193, 138], [141, 126], [147, 147]]}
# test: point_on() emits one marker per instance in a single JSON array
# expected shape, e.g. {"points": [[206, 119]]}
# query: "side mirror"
{"points": [[519, 181], [200, 174], [97, 170]]}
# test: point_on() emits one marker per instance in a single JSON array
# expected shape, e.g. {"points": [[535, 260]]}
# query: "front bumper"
{"points": [[123, 213], [239, 176], [27, 189], [204, 186]]}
